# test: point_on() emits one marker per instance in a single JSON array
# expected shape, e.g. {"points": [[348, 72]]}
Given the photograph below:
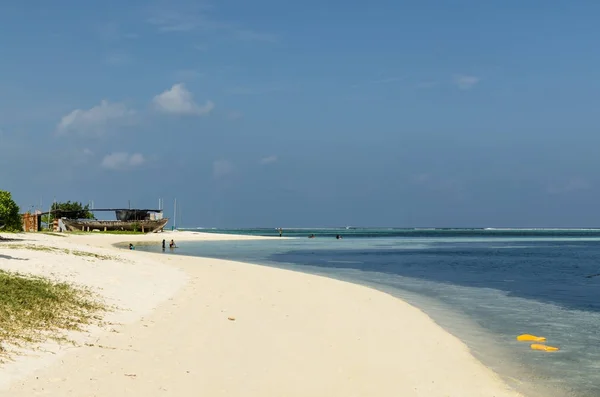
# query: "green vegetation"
{"points": [[90, 254], [32, 247], [59, 250], [73, 210], [35, 309], [9, 213]]}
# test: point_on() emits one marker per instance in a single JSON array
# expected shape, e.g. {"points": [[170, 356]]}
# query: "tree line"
{"points": [[10, 216]]}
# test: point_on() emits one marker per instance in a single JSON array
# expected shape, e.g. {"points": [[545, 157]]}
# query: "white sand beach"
{"points": [[190, 326]]}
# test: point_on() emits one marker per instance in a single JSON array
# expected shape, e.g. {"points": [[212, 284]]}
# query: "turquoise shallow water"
{"points": [[484, 286]]}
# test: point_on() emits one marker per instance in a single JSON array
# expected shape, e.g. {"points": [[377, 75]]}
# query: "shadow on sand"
{"points": [[12, 258]]}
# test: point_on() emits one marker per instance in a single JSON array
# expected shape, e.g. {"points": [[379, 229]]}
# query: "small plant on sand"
{"points": [[34, 309], [92, 255]]}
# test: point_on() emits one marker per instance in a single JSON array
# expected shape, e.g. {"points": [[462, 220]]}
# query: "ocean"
{"points": [[485, 286]]}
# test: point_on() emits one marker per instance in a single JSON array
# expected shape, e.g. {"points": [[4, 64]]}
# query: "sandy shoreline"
{"points": [[293, 334]]}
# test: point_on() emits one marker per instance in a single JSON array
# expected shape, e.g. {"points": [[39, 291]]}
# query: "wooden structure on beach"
{"points": [[127, 219], [32, 222]]}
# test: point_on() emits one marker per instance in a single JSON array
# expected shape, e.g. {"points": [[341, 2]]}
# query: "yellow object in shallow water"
{"points": [[544, 348], [530, 338]]}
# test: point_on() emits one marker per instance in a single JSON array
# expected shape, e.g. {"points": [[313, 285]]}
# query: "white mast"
{"points": [[175, 215]]}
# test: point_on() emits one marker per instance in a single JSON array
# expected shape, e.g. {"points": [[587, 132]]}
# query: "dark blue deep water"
{"points": [[484, 286]]}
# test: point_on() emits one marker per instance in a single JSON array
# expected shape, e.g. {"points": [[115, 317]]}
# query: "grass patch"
{"points": [[90, 254], [34, 309], [46, 248], [31, 247]]}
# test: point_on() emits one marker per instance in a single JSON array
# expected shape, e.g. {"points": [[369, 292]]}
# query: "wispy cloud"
{"points": [[178, 100], [269, 160], [222, 168], [96, 120], [465, 82], [122, 160], [199, 20]]}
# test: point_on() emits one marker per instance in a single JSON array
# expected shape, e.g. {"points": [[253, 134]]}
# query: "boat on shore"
{"points": [[130, 220], [87, 225]]}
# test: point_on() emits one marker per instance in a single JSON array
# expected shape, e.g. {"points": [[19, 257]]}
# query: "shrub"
{"points": [[9, 213]]}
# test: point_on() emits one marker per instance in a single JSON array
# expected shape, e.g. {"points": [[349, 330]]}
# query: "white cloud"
{"points": [[95, 121], [268, 160], [122, 160], [222, 168], [466, 82], [136, 159], [88, 152], [178, 100]]}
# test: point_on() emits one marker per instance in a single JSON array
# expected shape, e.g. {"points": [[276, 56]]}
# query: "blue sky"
{"points": [[315, 113]]}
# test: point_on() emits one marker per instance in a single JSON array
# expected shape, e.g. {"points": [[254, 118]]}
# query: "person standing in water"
{"points": [[164, 244], [280, 232], [172, 244]]}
